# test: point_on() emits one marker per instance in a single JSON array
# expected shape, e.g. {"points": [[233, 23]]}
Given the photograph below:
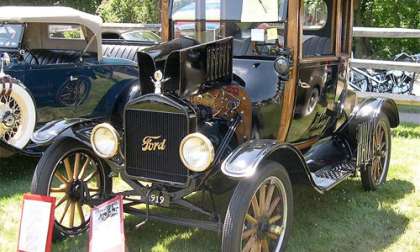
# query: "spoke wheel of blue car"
{"points": [[374, 174], [72, 174], [17, 112], [260, 212]]}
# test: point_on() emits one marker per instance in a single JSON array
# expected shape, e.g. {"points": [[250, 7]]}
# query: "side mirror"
{"points": [[283, 64]]}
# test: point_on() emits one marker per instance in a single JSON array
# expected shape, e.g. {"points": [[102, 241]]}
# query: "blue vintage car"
{"points": [[54, 66]]}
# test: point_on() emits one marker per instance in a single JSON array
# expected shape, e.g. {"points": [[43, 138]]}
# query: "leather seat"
{"points": [[47, 57], [121, 51]]}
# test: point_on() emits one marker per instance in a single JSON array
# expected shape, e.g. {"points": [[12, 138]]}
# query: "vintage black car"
{"points": [[56, 67], [253, 94]]}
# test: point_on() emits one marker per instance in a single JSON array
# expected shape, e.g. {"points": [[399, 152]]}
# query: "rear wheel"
{"points": [[374, 174], [71, 173], [260, 212]]}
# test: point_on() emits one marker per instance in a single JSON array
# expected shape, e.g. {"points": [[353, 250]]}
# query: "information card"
{"points": [[106, 232], [36, 223]]}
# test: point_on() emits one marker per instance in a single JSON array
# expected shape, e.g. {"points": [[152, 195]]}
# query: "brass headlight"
{"points": [[196, 152], [105, 140]]}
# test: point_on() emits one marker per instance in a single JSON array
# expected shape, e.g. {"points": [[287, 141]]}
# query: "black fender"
{"points": [[243, 162], [367, 110]]}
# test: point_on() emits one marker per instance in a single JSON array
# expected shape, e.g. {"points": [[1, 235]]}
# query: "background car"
{"points": [[56, 67]]}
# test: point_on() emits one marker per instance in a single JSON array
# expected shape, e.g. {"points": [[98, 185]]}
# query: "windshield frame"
{"points": [[19, 45]]}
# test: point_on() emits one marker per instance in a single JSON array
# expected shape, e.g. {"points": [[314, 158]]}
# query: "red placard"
{"points": [[106, 230], [36, 223]]}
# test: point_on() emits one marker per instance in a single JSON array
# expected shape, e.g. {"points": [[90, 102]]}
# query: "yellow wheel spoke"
{"points": [[68, 169], [93, 189], [257, 246], [58, 189], [269, 196], [273, 206], [61, 201], [248, 233], [65, 211], [261, 204], [80, 211], [84, 168], [255, 206], [274, 219], [72, 210], [249, 244], [60, 177], [264, 245], [90, 176], [272, 236], [250, 219], [76, 166]]}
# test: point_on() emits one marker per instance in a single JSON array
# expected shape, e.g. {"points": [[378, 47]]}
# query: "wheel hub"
{"points": [[76, 190]]}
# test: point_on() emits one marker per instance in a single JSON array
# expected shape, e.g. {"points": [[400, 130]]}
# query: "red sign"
{"points": [[36, 223], [106, 233]]}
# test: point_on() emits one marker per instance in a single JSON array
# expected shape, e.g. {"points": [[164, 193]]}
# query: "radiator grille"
{"points": [[158, 164]]}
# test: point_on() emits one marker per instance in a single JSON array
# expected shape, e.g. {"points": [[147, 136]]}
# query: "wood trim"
{"points": [[319, 59], [339, 26], [350, 31], [164, 20], [290, 89]]}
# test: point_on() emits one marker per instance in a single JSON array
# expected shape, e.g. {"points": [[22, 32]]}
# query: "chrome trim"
{"points": [[115, 136]]}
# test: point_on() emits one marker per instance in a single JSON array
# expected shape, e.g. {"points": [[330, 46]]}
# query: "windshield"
{"points": [[257, 26], [10, 35]]}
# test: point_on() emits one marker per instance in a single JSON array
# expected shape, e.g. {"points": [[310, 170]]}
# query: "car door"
{"points": [[318, 72]]}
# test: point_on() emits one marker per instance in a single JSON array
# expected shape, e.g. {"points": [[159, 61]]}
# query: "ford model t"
{"points": [[242, 97]]}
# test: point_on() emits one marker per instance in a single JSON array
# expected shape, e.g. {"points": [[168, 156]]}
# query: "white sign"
{"points": [[258, 35], [107, 227], [36, 224]]}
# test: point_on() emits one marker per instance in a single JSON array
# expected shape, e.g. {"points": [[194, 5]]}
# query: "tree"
{"points": [[130, 11]]}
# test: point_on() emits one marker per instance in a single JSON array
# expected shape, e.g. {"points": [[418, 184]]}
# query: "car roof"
{"points": [[50, 14]]}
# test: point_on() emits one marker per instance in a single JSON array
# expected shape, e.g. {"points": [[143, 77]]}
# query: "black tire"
{"points": [[46, 169], [370, 178], [240, 204]]}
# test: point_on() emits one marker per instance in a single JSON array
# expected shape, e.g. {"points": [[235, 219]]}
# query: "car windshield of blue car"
{"points": [[257, 26], [10, 35]]}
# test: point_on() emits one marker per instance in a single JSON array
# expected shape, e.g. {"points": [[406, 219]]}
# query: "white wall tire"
{"points": [[17, 113]]}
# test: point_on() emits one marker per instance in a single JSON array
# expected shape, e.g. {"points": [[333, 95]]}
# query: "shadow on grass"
{"points": [[348, 218], [16, 175]]}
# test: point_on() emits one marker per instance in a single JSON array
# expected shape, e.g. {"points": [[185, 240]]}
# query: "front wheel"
{"points": [[260, 212], [71, 172]]}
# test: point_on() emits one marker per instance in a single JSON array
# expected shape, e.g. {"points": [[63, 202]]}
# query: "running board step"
{"points": [[330, 176]]}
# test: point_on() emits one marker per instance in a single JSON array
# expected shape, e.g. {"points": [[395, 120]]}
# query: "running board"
{"points": [[330, 176]]}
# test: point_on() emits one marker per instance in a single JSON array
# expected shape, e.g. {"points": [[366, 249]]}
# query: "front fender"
{"points": [[243, 162], [54, 130]]}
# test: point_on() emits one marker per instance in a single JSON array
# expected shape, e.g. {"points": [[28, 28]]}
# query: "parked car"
{"points": [[146, 33], [267, 100], [55, 67]]}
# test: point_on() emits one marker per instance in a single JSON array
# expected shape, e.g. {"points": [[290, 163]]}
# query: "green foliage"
{"points": [[83, 5], [387, 14], [407, 130], [130, 11]]}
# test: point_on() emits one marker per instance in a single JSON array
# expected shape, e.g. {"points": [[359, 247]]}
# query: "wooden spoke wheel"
{"points": [[260, 212], [375, 174], [74, 176], [266, 218]]}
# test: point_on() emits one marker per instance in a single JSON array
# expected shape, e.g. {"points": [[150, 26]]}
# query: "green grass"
{"points": [[345, 219], [409, 109], [407, 130]]}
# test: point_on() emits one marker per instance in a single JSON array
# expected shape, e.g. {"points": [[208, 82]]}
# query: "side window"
{"points": [[65, 31], [318, 28]]}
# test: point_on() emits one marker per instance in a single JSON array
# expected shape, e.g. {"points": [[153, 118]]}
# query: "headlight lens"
{"points": [[105, 140], [197, 152]]}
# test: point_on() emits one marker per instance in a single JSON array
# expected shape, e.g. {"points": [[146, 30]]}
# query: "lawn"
{"points": [[345, 219]]}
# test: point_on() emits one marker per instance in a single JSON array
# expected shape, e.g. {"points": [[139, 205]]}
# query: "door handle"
{"points": [[304, 85]]}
